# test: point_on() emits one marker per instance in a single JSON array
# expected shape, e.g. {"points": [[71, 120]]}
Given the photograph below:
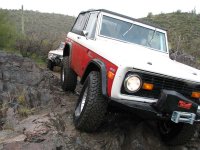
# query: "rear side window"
{"points": [[80, 23], [91, 25]]}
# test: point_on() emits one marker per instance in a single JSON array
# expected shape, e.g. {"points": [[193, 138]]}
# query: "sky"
{"points": [[132, 8]]}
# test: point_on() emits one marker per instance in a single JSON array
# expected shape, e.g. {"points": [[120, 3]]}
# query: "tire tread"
{"points": [[96, 105], [70, 80]]}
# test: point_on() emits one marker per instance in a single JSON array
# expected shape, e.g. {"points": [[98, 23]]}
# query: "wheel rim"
{"points": [[63, 75], [81, 104]]}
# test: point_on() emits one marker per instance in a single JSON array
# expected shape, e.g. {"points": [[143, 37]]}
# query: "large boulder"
{"points": [[21, 77]]}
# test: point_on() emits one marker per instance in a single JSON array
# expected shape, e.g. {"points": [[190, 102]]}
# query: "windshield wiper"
{"points": [[128, 30], [149, 42]]}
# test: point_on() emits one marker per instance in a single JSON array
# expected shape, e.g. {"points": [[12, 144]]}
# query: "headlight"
{"points": [[132, 83]]}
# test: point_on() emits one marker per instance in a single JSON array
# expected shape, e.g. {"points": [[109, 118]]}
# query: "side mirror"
{"points": [[85, 33]]}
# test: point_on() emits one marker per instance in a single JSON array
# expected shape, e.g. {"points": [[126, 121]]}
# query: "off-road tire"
{"points": [[179, 134], [68, 76], [50, 65], [95, 108]]}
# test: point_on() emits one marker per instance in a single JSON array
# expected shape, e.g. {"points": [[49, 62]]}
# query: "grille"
{"points": [[163, 82]]}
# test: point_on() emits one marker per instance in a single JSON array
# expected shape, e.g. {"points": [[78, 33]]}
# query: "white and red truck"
{"points": [[125, 62]]}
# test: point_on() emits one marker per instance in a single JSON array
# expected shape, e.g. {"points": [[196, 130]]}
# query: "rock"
{"points": [[143, 137], [19, 138], [1, 75], [21, 76], [45, 97], [1, 86], [5, 134], [6, 75], [11, 120]]}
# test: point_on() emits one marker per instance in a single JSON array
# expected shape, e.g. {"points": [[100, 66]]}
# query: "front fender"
{"points": [[97, 65]]}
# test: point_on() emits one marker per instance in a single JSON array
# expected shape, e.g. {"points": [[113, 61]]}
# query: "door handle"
{"points": [[78, 37]]}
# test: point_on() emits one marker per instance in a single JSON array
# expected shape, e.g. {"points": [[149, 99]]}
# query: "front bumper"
{"points": [[164, 108]]}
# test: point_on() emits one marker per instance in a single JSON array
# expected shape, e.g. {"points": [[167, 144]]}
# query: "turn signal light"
{"points": [[147, 86], [110, 75], [195, 94]]}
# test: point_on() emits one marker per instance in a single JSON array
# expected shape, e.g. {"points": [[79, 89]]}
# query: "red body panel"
{"points": [[81, 56]]}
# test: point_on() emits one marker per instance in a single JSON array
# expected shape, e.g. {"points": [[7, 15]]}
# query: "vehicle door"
{"points": [[77, 47], [89, 40]]}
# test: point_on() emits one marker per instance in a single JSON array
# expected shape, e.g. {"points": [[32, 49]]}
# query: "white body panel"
{"points": [[57, 52]]}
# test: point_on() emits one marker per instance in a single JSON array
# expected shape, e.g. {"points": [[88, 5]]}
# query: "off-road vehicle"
{"points": [[121, 60], [55, 57]]}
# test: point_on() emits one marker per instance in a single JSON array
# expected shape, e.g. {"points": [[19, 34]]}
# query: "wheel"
{"points": [[68, 76], [175, 134], [91, 106], [50, 65]]}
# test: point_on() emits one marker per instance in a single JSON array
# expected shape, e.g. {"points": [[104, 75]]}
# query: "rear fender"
{"points": [[67, 49]]}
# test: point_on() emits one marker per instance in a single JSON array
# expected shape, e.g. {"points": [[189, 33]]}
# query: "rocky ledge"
{"points": [[37, 114]]}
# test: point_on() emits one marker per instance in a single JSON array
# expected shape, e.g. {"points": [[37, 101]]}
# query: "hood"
{"points": [[57, 52], [140, 57]]}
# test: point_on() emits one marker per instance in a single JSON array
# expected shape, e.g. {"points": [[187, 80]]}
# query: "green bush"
{"points": [[7, 31]]}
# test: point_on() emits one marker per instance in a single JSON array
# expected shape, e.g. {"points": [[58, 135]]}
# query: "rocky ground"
{"points": [[37, 115]]}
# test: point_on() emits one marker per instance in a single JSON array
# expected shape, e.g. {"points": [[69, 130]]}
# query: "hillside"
{"points": [[183, 30], [44, 31], [44, 24]]}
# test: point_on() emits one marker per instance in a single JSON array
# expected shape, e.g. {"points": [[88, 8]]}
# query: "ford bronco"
{"points": [[121, 60]]}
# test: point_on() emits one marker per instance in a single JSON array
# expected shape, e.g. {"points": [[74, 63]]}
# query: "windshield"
{"points": [[133, 33]]}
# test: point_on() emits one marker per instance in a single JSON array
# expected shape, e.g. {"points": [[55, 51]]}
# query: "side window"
{"points": [[91, 25], [80, 23]]}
